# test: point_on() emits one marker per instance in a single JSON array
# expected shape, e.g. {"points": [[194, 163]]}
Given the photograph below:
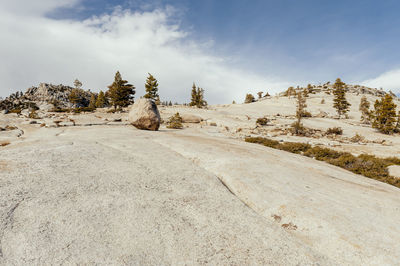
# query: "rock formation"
{"points": [[41, 96], [144, 115]]}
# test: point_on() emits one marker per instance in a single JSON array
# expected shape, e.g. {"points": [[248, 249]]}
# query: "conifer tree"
{"points": [[339, 102], [364, 109], [249, 98], [197, 97], [297, 126], [121, 93], [193, 101], [92, 102], [384, 116], [200, 103], [259, 94], [152, 89], [77, 84], [101, 100], [305, 92]]}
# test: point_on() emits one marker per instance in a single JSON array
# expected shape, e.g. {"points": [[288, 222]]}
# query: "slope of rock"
{"points": [[114, 196]]}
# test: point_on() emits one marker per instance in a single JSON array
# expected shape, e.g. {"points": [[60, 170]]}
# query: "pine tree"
{"points": [[339, 102], [259, 94], [77, 97], [384, 116], [193, 101], [92, 102], [249, 98], [297, 126], [120, 92], [197, 97], [175, 122], [200, 102], [77, 84], [305, 92], [300, 106], [101, 100], [364, 109], [152, 88]]}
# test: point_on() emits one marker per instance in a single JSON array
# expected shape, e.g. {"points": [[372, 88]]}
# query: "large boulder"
{"points": [[144, 115]]}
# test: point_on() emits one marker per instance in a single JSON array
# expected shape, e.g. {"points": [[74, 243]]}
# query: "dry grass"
{"points": [[5, 143], [366, 165]]}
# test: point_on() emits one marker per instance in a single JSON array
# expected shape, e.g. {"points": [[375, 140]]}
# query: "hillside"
{"points": [[91, 189]]}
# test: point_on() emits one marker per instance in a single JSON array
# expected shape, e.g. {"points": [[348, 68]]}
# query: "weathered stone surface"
{"points": [[190, 118], [394, 170], [144, 115]]}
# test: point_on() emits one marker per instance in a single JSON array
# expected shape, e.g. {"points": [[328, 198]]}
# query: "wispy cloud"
{"points": [[41, 49], [389, 81]]}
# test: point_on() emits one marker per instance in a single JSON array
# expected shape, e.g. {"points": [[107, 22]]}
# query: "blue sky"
{"points": [[305, 40], [276, 42]]}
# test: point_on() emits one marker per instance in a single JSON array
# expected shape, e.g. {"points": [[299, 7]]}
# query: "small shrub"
{"points": [[33, 114], [15, 111], [84, 109], [323, 101], [249, 98], [175, 122], [112, 111], [10, 127], [357, 138], [298, 129], [295, 147], [213, 124], [262, 121], [3, 144], [306, 114], [334, 131], [366, 165], [60, 110]]}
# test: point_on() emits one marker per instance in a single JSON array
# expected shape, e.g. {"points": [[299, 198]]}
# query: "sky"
{"points": [[227, 47]]}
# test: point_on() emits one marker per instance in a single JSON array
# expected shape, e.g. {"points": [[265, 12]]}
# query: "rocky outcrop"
{"points": [[144, 115], [44, 97]]}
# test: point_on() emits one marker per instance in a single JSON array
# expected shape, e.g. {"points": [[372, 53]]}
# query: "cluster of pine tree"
{"points": [[197, 97]]}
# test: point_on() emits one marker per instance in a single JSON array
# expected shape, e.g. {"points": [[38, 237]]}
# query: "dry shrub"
{"points": [[364, 164], [3, 144], [357, 138], [262, 121], [334, 131]]}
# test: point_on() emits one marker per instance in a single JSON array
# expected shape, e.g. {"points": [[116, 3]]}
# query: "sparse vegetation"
{"points": [[121, 93], [384, 115], [366, 165], [175, 122], [297, 126], [249, 98], [152, 89], [33, 114], [334, 131], [262, 121], [197, 97], [339, 102], [364, 109], [357, 138], [5, 143], [101, 100]]}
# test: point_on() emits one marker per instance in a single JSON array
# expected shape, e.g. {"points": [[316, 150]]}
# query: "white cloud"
{"points": [[35, 48], [389, 81]]}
